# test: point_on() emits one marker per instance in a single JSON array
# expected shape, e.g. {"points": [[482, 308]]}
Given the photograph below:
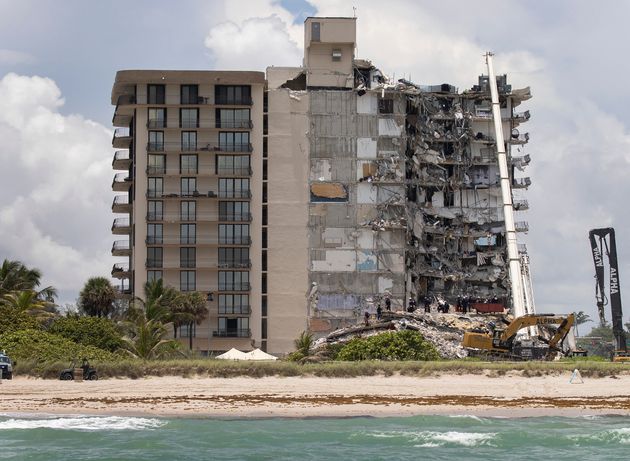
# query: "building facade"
{"points": [[319, 191]]}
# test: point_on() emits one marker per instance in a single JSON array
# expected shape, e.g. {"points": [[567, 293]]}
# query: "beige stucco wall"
{"points": [[288, 218]]}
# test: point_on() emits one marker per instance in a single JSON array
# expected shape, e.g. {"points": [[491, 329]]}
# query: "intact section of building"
{"points": [[304, 199], [191, 194]]}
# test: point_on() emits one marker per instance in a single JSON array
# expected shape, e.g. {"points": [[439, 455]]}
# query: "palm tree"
{"points": [[97, 297], [191, 310], [15, 277], [580, 318], [145, 338]]}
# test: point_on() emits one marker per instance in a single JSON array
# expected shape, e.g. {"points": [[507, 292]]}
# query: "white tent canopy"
{"points": [[257, 354], [233, 354]]}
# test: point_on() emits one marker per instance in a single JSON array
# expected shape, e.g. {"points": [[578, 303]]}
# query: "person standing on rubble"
{"points": [[388, 304], [411, 306], [379, 311], [367, 318], [427, 304]]}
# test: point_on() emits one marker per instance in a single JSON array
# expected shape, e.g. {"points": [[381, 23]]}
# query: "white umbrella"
{"points": [[257, 354], [233, 354]]}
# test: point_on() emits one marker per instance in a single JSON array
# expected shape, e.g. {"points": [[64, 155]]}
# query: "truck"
{"points": [[6, 366], [502, 340]]}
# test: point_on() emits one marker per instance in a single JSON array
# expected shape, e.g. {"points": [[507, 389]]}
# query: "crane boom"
{"points": [[600, 245]]}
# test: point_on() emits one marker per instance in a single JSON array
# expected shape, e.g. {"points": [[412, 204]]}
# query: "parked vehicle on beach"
{"points": [[6, 366]]}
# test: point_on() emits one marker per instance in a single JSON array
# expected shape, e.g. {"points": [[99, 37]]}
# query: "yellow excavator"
{"points": [[500, 342]]}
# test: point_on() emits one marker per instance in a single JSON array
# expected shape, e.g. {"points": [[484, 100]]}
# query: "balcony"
{"points": [[121, 160], [234, 124], [234, 101], [521, 117], [123, 113], [245, 171], [154, 123], [236, 193], [121, 204], [197, 241], [232, 333], [121, 182], [123, 291], [121, 226], [521, 226], [521, 205], [177, 217], [172, 147], [151, 193], [235, 310], [243, 147], [121, 248], [121, 271], [521, 183], [235, 264], [122, 138], [154, 263], [516, 138], [238, 217], [243, 240], [234, 286]]}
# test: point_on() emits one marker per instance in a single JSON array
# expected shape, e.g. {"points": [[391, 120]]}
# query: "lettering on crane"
{"points": [[614, 281], [597, 256]]}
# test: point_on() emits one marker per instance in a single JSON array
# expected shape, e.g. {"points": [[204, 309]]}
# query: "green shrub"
{"points": [[401, 345], [89, 331], [14, 320], [38, 346]]}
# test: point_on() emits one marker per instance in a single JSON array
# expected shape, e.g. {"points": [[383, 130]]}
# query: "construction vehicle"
{"points": [[503, 342], [603, 242]]}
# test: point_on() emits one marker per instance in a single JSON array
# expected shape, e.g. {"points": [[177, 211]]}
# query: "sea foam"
{"points": [[85, 423], [439, 439]]}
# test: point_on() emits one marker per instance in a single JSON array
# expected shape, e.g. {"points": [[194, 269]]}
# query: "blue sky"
{"points": [[58, 60]]}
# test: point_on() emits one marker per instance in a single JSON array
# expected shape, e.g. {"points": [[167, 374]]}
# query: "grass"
{"points": [[222, 369]]}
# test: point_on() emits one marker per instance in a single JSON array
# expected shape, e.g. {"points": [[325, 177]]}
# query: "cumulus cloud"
{"points": [[55, 185], [241, 46]]}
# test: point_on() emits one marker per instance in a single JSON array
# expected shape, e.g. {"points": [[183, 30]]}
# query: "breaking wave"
{"points": [[616, 436], [87, 423], [427, 439]]}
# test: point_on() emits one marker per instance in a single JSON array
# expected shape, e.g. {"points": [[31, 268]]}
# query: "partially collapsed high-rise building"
{"points": [[359, 190]]}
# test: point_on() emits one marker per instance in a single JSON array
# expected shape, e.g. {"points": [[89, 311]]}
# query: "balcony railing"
{"points": [[521, 182], [188, 263], [234, 101], [154, 263], [245, 171], [156, 123], [235, 124], [121, 159], [520, 205], [517, 138], [121, 245], [156, 170], [121, 178], [154, 240], [246, 217], [241, 147], [232, 333], [235, 193], [521, 226], [235, 264], [235, 240], [126, 99], [120, 223], [173, 147], [194, 101], [235, 310], [120, 268], [234, 286]]}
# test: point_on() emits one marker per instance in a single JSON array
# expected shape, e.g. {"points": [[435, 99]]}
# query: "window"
{"points": [[157, 118], [233, 118], [234, 141], [188, 164], [385, 106], [156, 164], [238, 165], [152, 276], [188, 211], [315, 30], [234, 211], [154, 257], [187, 257], [187, 281], [189, 141], [156, 141], [189, 94], [234, 188], [235, 327], [234, 257], [263, 306], [263, 328], [189, 118], [224, 94], [187, 234], [188, 187], [234, 234], [188, 330], [155, 187], [154, 234], [234, 304], [264, 260], [233, 281], [155, 210], [155, 94]]}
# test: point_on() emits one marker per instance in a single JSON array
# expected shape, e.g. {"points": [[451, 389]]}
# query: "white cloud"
{"points": [[54, 185], [253, 44]]}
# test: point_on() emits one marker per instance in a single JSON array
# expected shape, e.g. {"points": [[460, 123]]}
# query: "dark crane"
{"points": [[603, 242]]}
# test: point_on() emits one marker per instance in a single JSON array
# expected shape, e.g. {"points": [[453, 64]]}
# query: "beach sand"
{"points": [[510, 396]]}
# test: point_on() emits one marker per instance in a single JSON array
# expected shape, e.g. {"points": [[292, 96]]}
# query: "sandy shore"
{"points": [[319, 397]]}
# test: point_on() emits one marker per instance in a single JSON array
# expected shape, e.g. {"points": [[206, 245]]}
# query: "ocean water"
{"points": [[420, 437]]}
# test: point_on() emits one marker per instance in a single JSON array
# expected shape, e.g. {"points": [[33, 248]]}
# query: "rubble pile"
{"points": [[444, 331]]}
